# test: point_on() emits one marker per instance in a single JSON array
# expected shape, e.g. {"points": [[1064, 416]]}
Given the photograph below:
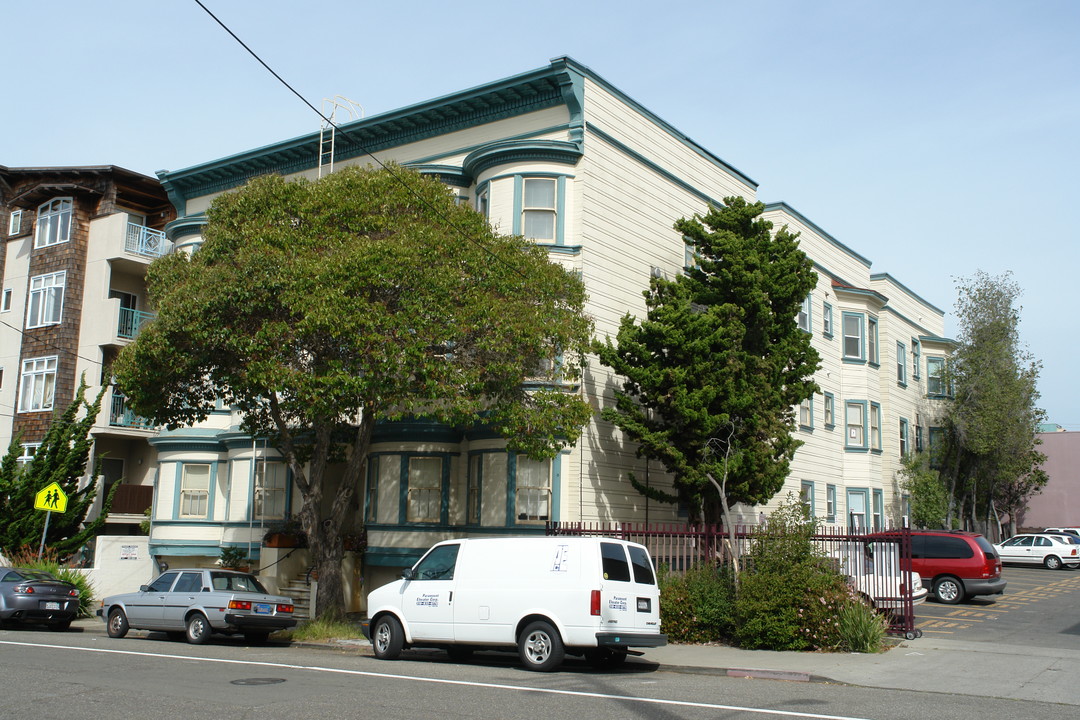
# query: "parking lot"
{"points": [[1040, 607]]}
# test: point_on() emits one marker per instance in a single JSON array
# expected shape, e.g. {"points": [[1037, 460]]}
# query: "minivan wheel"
{"points": [[949, 590], [1052, 562], [540, 647], [387, 638]]}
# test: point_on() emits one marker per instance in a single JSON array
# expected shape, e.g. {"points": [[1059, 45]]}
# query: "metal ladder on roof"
{"points": [[328, 129]]}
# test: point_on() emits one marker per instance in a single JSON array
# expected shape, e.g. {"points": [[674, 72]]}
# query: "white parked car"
{"points": [[1053, 551], [873, 571], [195, 603]]}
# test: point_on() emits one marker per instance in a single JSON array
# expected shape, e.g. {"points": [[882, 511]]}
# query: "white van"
{"points": [[545, 596]]}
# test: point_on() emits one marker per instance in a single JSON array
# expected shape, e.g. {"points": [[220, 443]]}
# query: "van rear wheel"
{"points": [[540, 647], [387, 638]]}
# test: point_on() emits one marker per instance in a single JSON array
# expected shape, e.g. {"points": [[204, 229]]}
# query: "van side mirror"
{"points": [[408, 574]]}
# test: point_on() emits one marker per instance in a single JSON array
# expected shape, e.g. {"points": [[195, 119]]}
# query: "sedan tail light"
{"points": [[25, 589], [239, 604], [283, 608]]}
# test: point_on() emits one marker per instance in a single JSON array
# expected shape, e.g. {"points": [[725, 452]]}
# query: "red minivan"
{"points": [[955, 564]]}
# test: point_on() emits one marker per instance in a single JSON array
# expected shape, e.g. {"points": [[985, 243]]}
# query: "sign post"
{"points": [[51, 499]]}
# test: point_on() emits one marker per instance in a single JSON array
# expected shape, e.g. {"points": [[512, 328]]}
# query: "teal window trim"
{"points": [[827, 320], [476, 495], [878, 509], [483, 199], [865, 494], [849, 442], [554, 478], [830, 411], [905, 446], [560, 203], [371, 492], [859, 338], [873, 348], [403, 489], [830, 503], [806, 422], [806, 496], [901, 365], [211, 490], [936, 377], [915, 358], [934, 440], [875, 428]]}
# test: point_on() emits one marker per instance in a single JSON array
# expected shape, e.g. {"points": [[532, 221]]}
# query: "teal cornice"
{"points": [[923, 339], [446, 174], [886, 277], [783, 207], [185, 226], [515, 151], [415, 430]]}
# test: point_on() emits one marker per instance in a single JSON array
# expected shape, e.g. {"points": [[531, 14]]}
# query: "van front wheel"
{"points": [[540, 647], [387, 638]]}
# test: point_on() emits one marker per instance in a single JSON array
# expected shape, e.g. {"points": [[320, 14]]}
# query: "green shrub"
{"points": [[26, 557], [697, 606], [861, 628]]}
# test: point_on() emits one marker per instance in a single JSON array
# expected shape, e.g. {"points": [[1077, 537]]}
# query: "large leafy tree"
{"points": [[990, 458], [713, 373], [318, 308], [61, 458]]}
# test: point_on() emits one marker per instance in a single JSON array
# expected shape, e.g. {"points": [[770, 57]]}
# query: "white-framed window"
{"points": [[830, 410], [425, 490], [901, 364], [806, 413], [195, 490], [806, 497], [826, 320], [903, 437], [38, 385], [875, 426], [935, 376], [475, 485], [15, 222], [804, 314], [53, 223], [482, 205], [855, 420], [853, 336], [538, 213], [879, 507], [270, 490], [872, 340], [5, 300], [830, 503], [46, 299], [532, 490], [916, 359], [29, 450]]}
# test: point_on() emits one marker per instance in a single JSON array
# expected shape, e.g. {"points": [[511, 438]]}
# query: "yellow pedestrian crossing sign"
{"points": [[52, 498]]}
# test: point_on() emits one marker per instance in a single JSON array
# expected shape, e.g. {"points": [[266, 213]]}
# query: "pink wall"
{"points": [[1058, 505]]}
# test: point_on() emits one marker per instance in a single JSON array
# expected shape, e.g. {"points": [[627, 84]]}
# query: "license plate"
{"points": [[52, 606], [263, 608]]}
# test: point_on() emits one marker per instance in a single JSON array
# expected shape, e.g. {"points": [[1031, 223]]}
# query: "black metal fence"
{"points": [[877, 564]]}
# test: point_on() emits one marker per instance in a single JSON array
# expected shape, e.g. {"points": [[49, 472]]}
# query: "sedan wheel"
{"points": [[1052, 562], [198, 629], [118, 623]]}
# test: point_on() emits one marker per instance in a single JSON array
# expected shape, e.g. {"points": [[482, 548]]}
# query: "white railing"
{"points": [[146, 242]]}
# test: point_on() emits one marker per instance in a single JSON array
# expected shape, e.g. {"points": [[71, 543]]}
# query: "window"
{"points": [[901, 364], [806, 497], [46, 299], [438, 564], [855, 419], [826, 320], [5, 302], [879, 506], [38, 384], [830, 503], [482, 205], [903, 437], [270, 485], [918, 433], [425, 489], [53, 223], [195, 490], [639, 561], [538, 209], [935, 376], [830, 410], [15, 223], [853, 336], [915, 359], [804, 314], [875, 426], [29, 450], [613, 562], [533, 490], [872, 341], [163, 583], [936, 446], [472, 501], [806, 413], [189, 582]]}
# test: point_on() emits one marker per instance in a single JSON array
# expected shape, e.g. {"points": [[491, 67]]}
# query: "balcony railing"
{"points": [[132, 499], [122, 416], [131, 322], [143, 241]]}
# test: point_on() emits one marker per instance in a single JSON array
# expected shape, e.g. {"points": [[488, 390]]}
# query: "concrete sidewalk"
{"points": [[1016, 672]]}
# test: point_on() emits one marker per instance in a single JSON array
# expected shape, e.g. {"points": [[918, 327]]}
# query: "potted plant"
{"points": [[286, 532], [234, 558]]}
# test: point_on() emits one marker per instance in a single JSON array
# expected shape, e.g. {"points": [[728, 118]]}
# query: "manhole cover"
{"points": [[258, 681]]}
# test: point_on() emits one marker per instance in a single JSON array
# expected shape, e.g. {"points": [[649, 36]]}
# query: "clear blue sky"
{"points": [[934, 138]]}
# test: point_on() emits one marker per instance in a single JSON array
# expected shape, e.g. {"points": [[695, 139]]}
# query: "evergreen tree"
{"points": [[62, 459], [714, 372]]}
